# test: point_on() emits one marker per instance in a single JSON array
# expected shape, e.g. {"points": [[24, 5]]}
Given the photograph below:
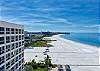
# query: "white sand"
{"points": [[68, 52]]}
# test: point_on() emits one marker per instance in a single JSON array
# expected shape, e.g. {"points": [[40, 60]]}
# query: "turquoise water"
{"points": [[86, 38]]}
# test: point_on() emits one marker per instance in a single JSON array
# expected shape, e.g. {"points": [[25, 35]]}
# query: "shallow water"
{"points": [[86, 38]]}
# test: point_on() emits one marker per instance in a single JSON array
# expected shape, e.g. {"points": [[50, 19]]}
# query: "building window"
{"points": [[12, 38], [7, 30], [19, 50], [16, 45], [16, 31], [2, 68], [8, 65], [20, 57], [19, 37], [12, 54], [12, 69], [19, 31], [2, 60], [2, 50], [20, 69], [1, 30], [7, 48], [22, 66], [19, 63], [7, 56], [22, 31], [12, 61], [1, 40], [22, 37], [19, 44], [12, 30], [16, 59], [22, 48], [7, 39], [16, 52], [12, 46], [22, 42], [16, 66], [23, 54], [16, 38], [23, 60]]}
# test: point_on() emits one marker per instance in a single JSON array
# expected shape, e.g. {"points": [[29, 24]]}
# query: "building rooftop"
{"points": [[8, 24]]}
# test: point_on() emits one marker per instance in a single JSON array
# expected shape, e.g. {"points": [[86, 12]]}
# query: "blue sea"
{"points": [[86, 38]]}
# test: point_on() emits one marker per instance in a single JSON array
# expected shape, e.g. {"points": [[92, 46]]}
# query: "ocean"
{"points": [[86, 38]]}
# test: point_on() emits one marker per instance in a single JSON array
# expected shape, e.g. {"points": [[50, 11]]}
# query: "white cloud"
{"points": [[92, 26]]}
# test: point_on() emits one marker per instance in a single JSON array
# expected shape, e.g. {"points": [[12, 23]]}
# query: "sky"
{"points": [[52, 15]]}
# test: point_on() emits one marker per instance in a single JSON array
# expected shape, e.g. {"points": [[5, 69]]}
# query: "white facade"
{"points": [[11, 47]]}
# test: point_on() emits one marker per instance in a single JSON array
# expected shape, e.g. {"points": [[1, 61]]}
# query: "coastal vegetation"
{"points": [[38, 44], [40, 66], [38, 41]]}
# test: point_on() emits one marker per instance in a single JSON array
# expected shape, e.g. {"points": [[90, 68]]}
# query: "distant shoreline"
{"points": [[61, 38], [85, 41]]}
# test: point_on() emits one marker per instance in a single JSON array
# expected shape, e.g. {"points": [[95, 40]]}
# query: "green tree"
{"points": [[48, 61], [34, 64], [41, 64], [28, 68]]}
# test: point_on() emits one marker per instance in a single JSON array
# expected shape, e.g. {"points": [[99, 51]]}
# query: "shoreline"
{"points": [[67, 52], [81, 41], [71, 44], [84, 54], [58, 36]]}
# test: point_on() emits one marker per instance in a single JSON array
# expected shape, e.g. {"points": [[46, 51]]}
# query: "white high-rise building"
{"points": [[11, 47]]}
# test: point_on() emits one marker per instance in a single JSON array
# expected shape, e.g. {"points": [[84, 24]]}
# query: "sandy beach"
{"points": [[68, 52]]}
